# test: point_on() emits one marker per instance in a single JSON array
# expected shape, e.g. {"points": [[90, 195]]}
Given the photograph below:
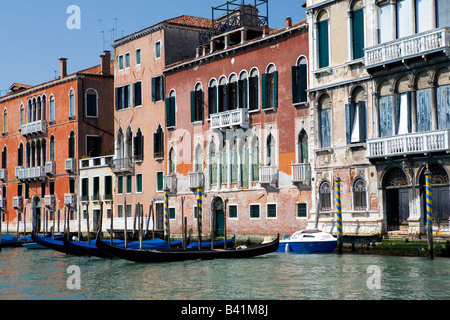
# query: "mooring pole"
{"points": [[166, 215], [338, 213], [429, 197], [199, 216]]}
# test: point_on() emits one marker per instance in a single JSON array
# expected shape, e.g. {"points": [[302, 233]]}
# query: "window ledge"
{"points": [[300, 104], [326, 70], [254, 111], [198, 123], [355, 62], [273, 109], [171, 128], [71, 117], [324, 150], [357, 145]]}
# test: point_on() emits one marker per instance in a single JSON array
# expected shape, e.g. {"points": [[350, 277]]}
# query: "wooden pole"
{"points": [[166, 215], [87, 224], [111, 232], [183, 224], [148, 218], [429, 200], [1, 222], [153, 222], [125, 217], [141, 225], [338, 213], [53, 230], [24, 222], [225, 223], [59, 220], [18, 224], [199, 216]]}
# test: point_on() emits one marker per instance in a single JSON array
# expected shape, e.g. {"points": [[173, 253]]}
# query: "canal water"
{"points": [[48, 275]]}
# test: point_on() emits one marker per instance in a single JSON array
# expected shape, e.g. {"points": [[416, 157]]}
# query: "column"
{"points": [[433, 20], [376, 116], [393, 20], [434, 119], [413, 109]]}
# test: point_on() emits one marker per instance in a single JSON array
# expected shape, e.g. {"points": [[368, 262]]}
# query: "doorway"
{"points": [[159, 223], [218, 213], [36, 209], [396, 190]]}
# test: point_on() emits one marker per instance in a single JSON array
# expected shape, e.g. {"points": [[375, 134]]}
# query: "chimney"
{"points": [[63, 67], [105, 63], [266, 30], [288, 22]]}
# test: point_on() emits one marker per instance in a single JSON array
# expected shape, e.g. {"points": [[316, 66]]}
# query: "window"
{"points": [[120, 211], [355, 114], [197, 104], [245, 164], [302, 210], [224, 164], [5, 121], [160, 181], [198, 160], [137, 94], [139, 183], [127, 60], [403, 18], [303, 154], [71, 185], [323, 39], [403, 113], [120, 184], [325, 196], [157, 89], [232, 211], [91, 103], [271, 210], [423, 21], [157, 49], [357, 29], [254, 211], [72, 103], [52, 108], [52, 148], [129, 183], [172, 213], [443, 10], [384, 24], [299, 81], [138, 146], [171, 110], [232, 92], [120, 61], [243, 91], [128, 210], [158, 143], [172, 164], [22, 115], [138, 57], [270, 88], [72, 145], [255, 160], [212, 97], [93, 146], [85, 189], [359, 195], [123, 97], [96, 193], [253, 91], [20, 155], [234, 162], [4, 158], [213, 164], [443, 100], [270, 152], [108, 188], [325, 121]]}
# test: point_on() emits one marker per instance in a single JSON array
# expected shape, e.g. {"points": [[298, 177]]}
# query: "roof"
{"points": [[181, 21]]}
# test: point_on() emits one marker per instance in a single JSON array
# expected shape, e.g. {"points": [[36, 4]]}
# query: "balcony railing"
{"points": [[413, 143], [17, 202], [35, 173], [229, 119], [49, 200], [33, 128], [301, 173], [268, 175], [123, 165], [3, 175], [195, 180], [408, 47], [90, 163], [170, 182], [70, 198]]}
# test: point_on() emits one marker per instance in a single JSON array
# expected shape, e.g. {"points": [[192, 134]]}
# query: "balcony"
{"points": [[70, 199], [409, 144], [170, 182], [35, 173], [3, 175], [17, 202], [50, 168], [268, 175], [195, 180], [2, 203], [97, 162], [49, 200], [34, 128], [122, 165], [230, 119], [70, 165], [301, 173], [414, 46]]}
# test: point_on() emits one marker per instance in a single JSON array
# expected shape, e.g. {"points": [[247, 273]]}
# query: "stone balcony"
{"points": [[268, 175], [301, 173], [196, 180], [124, 165], [409, 144], [414, 46], [34, 128], [34, 173], [230, 119]]}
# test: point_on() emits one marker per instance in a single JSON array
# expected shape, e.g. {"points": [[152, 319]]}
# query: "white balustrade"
{"points": [[231, 118]]}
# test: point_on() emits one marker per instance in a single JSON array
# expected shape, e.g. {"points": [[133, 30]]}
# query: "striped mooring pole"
{"points": [[338, 213], [166, 214], [199, 215], [429, 200]]}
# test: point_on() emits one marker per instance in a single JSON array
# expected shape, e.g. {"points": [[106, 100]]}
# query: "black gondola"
{"points": [[152, 256], [57, 245]]}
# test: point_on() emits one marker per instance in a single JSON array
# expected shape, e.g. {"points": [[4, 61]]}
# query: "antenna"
{"points": [[103, 34]]}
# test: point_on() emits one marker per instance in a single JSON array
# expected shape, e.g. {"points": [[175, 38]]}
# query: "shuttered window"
{"points": [[270, 90], [123, 97], [358, 33], [443, 106], [197, 105], [158, 144], [253, 93], [137, 96], [299, 83], [212, 100], [355, 118], [157, 88], [170, 112], [385, 116], [323, 44]]}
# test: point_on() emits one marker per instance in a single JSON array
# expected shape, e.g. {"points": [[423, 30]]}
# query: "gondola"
{"points": [[57, 245], [174, 255], [217, 244], [9, 241]]}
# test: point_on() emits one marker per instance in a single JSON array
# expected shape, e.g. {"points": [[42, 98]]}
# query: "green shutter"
{"points": [[264, 91], [192, 106], [139, 183], [362, 121], [120, 184], [358, 33], [323, 44], [349, 117], [295, 85], [201, 106], [160, 180], [170, 112], [275, 89], [153, 89], [303, 82]]}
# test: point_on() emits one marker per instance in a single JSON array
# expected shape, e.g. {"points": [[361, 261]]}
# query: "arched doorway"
{"points": [[218, 214], [36, 209], [440, 187], [395, 184]]}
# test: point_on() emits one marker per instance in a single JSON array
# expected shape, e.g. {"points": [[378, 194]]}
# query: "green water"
{"points": [[42, 274]]}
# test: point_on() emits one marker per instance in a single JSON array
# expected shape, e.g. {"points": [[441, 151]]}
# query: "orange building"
{"points": [[46, 129]]}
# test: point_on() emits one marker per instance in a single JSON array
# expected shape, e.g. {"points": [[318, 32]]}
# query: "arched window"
{"points": [[5, 121], [355, 114], [71, 103], [224, 164], [158, 143], [357, 29], [325, 196], [232, 92], [303, 154], [222, 95], [212, 97], [91, 103], [359, 195], [197, 99], [4, 158], [38, 109], [253, 91], [138, 146], [213, 164], [52, 148], [325, 121], [270, 88], [270, 151], [72, 145], [129, 144], [385, 110], [52, 108], [300, 81], [22, 115], [323, 39], [33, 106], [255, 160], [29, 112], [234, 162], [198, 164], [44, 107], [243, 90], [443, 98], [20, 155], [246, 164], [171, 109]]}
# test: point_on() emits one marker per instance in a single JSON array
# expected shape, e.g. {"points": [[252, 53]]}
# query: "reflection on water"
{"points": [[42, 274]]}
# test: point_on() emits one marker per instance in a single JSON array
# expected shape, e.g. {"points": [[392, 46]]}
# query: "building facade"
{"points": [[238, 128], [46, 129]]}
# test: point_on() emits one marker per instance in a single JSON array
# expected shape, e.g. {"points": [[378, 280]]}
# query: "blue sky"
{"points": [[34, 34]]}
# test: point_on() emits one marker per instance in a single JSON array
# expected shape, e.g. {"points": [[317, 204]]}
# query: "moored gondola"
{"points": [[57, 245], [174, 255]]}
